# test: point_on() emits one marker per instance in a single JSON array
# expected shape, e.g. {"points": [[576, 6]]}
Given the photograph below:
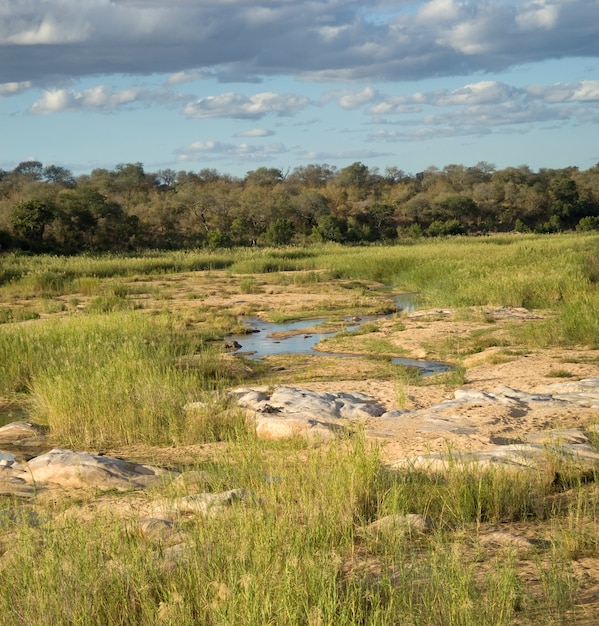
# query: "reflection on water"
{"points": [[260, 343], [269, 338]]}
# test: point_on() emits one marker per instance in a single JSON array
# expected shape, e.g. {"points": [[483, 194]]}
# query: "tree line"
{"points": [[47, 209]]}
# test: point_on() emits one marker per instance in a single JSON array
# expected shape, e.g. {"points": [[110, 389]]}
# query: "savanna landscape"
{"points": [[128, 357]]}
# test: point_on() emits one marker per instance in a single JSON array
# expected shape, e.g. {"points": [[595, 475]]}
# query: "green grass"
{"points": [[111, 377], [104, 373], [300, 552]]}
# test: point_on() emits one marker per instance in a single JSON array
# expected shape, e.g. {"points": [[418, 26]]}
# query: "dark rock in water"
{"points": [[231, 346]]}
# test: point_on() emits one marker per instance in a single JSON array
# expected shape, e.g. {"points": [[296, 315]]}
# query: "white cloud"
{"points": [[243, 106], [353, 99], [13, 89], [482, 108], [217, 150], [538, 14], [439, 10], [187, 77], [583, 91], [99, 98], [255, 132], [484, 92]]}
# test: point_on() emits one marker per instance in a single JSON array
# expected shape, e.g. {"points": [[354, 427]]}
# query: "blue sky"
{"points": [[239, 84]]}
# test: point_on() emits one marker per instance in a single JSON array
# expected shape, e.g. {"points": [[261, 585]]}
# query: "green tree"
{"points": [[329, 228], [29, 220], [440, 228], [280, 232], [588, 223]]}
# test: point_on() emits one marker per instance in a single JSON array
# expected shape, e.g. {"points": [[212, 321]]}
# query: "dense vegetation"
{"points": [[47, 209]]}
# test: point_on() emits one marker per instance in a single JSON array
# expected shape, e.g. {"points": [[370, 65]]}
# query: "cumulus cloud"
{"points": [[100, 98], [217, 150], [242, 106], [481, 108], [13, 89], [348, 99], [255, 132], [583, 91], [317, 40]]}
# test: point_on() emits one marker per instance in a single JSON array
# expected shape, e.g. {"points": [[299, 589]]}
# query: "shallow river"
{"points": [[266, 338]]}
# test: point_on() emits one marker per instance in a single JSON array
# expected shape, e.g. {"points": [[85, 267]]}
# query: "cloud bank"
{"points": [[243, 40]]}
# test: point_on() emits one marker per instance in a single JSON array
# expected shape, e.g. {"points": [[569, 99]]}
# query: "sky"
{"points": [[235, 85]]}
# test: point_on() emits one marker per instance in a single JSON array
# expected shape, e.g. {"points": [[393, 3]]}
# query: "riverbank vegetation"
{"points": [[126, 350], [46, 208]]}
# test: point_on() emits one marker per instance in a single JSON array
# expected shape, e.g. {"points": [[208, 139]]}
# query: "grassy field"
{"points": [[109, 351]]}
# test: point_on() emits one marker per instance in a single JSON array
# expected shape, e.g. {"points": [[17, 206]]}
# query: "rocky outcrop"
{"points": [[81, 469], [284, 411], [75, 470], [468, 408]]}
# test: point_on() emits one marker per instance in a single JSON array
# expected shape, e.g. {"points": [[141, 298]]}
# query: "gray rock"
{"points": [[288, 411], [201, 503], [514, 456], [22, 438], [505, 539], [158, 530], [82, 469], [396, 523]]}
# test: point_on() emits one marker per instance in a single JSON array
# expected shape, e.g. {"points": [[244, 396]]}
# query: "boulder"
{"points": [[201, 503], [397, 523], [22, 438], [83, 469], [285, 411]]}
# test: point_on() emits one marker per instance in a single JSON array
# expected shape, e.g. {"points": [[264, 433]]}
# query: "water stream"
{"points": [[269, 338]]}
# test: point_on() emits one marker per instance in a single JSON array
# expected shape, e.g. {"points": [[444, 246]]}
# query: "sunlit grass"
{"points": [[111, 378], [104, 373]]}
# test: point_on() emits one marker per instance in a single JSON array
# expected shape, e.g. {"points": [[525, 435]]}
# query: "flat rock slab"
{"points": [[567, 447], [283, 411], [69, 469], [22, 438]]}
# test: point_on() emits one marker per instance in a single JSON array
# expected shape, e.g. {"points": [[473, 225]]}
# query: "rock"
{"points": [[158, 530], [513, 456], [202, 503], [15, 486], [401, 524], [502, 538], [194, 480], [82, 469], [285, 412], [173, 556], [15, 479], [22, 438], [150, 527], [559, 436]]}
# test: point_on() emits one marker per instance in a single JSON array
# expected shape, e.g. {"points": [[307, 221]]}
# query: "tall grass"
{"points": [[112, 378], [299, 552], [40, 269]]}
